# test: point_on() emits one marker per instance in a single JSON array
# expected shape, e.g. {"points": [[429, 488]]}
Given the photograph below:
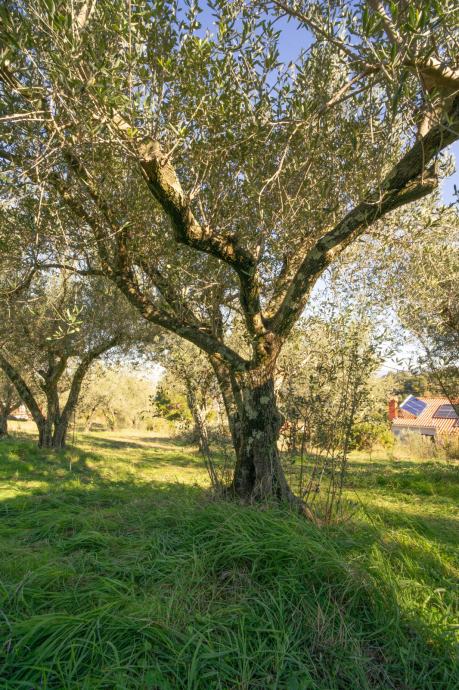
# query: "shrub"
{"points": [[449, 443], [366, 435]]}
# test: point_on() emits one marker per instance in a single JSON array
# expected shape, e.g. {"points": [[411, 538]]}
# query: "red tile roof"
{"points": [[406, 420]]}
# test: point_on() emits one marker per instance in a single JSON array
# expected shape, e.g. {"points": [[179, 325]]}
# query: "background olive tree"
{"points": [[326, 395], [50, 335], [415, 280], [428, 305], [9, 401], [194, 377]]}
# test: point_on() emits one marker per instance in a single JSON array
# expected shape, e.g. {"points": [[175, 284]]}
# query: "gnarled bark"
{"points": [[258, 474]]}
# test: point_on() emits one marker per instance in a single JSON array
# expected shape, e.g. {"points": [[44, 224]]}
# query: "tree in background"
{"points": [[192, 374], [414, 283], [9, 401], [325, 391], [428, 306], [115, 395], [404, 383], [49, 337], [207, 180], [326, 376], [169, 401], [417, 279]]}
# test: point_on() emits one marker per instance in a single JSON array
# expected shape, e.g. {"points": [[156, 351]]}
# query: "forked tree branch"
{"points": [[197, 335], [80, 373], [165, 186], [119, 271], [409, 180]]}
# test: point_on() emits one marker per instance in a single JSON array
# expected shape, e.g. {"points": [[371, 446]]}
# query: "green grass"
{"points": [[119, 572]]}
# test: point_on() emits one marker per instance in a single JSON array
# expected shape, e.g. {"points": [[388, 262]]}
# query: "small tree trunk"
{"points": [[110, 419], [198, 412], [232, 400], [88, 423], [200, 428], [258, 474], [45, 434], [3, 424], [9, 403], [60, 433]]}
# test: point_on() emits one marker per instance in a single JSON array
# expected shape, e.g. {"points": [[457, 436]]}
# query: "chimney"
{"points": [[392, 409]]}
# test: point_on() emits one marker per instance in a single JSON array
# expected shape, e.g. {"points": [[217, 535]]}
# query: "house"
{"points": [[426, 416], [21, 413]]}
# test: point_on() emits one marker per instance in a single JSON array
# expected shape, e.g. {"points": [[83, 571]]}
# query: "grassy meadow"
{"points": [[119, 571]]}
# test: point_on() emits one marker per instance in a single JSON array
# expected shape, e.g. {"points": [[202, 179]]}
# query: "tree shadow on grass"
{"points": [[117, 444], [439, 529], [22, 460], [25, 467], [148, 460]]}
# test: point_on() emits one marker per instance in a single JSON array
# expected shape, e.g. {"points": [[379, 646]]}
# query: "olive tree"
{"points": [[9, 401], [193, 375], [115, 394], [212, 183], [427, 302], [49, 338], [415, 282]]}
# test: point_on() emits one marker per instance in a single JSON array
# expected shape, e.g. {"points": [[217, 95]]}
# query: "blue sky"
{"points": [[449, 182]]}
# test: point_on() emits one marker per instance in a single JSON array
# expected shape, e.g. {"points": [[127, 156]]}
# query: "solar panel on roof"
{"points": [[413, 405], [445, 412]]}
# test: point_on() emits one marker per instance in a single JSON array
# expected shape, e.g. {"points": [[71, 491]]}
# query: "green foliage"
{"points": [[412, 444], [367, 434], [112, 581], [327, 371], [404, 383], [450, 445], [170, 405]]}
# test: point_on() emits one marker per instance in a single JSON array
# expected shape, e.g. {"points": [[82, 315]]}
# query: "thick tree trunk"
{"points": [[52, 433], [258, 473]]}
